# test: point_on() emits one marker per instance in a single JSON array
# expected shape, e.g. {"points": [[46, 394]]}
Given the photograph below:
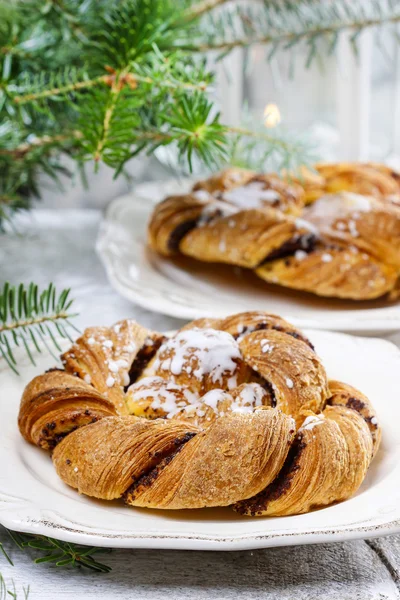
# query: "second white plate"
{"points": [[189, 289]]}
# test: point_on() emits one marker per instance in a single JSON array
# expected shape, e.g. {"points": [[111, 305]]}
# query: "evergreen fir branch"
{"points": [[36, 142], [62, 554], [52, 90], [196, 131], [113, 96], [159, 71], [7, 592], [106, 81], [3, 551], [284, 24], [28, 317], [261, 151], [203, 7]]}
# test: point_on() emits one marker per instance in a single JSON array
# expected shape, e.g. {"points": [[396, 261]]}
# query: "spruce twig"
{"points": [[29, 317], [7, 592], [284, 24], [62, 554]]}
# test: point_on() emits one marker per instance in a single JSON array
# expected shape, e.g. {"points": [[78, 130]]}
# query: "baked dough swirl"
{"points": [[226, 412], [335, 232]]}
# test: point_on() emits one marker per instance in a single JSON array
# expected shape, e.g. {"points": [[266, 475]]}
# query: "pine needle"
{"points": [[30, 318], [62, 554]]}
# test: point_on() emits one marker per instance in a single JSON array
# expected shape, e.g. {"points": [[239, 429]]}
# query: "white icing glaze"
{"points": [[205, 351], [266, 346], [87, 378], [129, 348], [331, 207], [173, 398], [303, 224], [289, 382], [202, 195], [213, 398], [353, 228], [217, 208], [300, 254], [110, 381], [311, 422], [116, 365], [234, 176], [167, 395], [252, 195], [252, 394], [326, 258]]}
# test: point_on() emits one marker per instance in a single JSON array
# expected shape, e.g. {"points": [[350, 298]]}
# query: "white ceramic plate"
{"points": [[34, 499], [187, 288]]}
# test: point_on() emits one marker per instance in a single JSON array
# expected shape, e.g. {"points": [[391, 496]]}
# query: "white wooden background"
{"points": [[58, 246]]}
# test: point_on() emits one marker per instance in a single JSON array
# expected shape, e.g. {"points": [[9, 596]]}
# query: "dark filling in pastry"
{"points": [[266, 385], [179, 233], [305, 242], [143, 357], [261, 326], [258, 504], [157, 464]]}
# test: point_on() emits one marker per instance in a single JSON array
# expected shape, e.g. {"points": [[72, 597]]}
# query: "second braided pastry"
{"points": [[317, 235]]}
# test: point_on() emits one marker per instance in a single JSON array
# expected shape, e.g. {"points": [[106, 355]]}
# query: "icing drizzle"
{"points": [[200, 353]]}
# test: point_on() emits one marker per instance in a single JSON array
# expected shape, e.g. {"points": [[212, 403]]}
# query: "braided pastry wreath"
{"points": [[234, 412], [335, 233]]}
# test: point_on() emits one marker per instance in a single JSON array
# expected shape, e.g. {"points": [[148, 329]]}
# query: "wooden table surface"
{"points": [[59, 247]]}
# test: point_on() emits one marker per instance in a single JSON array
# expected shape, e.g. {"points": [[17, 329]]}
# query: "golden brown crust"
{"points": [[342, 394], [104, 356], [266, 191], [166, 464], [360, 221], [230, 409], [55, 403], [245, 238], [370, 179], [241, 324], [327, 463], [293, 370], [334, 271], [240, 218], [171, 220], [103, 459], [225, 180], [233, 458]]}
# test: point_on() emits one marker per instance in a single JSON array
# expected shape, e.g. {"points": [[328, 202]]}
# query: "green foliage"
{"points": [[263, 151], [7, 592], [102, 80], [62, 554], [284, 24], [32, 319]]}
